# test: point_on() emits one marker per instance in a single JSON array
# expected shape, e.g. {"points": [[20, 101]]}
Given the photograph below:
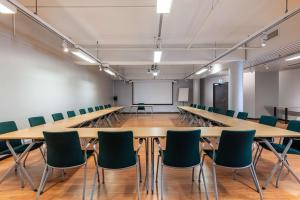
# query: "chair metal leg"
{"points": [[215, 180], [84, 182], [42, 183], [96, 165], [193, 172], [103, 180], [256, 181], [43, 154], [94, 184], [258, 156], [157, 166], [201, 167], [138, 180], [161, 181]]}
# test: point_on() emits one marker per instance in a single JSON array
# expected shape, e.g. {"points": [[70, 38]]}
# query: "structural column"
{"points": [[196, 91], [235, 96]]}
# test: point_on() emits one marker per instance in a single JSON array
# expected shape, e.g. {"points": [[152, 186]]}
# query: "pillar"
{"points": [[235, 96]]}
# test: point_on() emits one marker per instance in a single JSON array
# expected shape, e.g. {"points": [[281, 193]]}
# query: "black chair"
{"points": [[57, 116], [71, 113], [90, 110], [211, 109], [182, 151], [269, 121], [242, 115], [116, 151], [141, 107], [235, 152], [101, 107], [63, 152], [97, 108], [230, 113], [82, 111]]}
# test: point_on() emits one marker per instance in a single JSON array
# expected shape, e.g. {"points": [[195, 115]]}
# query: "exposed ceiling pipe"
{"points": [[48, 27], [251, 37]]}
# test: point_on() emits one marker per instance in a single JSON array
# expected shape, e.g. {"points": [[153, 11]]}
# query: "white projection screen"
{"points": [[152, 92]]}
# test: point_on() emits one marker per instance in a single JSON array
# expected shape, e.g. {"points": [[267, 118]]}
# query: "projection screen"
{"points": [[152, 92]]}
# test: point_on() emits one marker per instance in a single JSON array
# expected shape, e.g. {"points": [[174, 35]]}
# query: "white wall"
{"points": [[124, 93], [35, 81]]}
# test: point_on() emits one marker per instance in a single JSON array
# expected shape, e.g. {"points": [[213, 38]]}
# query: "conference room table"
{"points": [[150, 134]]}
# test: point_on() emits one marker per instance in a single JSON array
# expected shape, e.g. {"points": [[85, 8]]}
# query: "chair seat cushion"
{"points": [[280, 148]]}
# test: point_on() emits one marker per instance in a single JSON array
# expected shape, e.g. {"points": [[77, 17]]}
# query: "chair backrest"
{"points": [[57, 116], [90, 109], [141, 106], [71, 113], [230, 113], [36, 121], [242, 115], [105, 106], [97, 108], [63, 149], [194, 105], [293, 126], [182, 148], [235, 148], [210, 109], [199, 106], [268, 120], [218, 110], [191, 105], [203, 107], [6, 127], [116, 150], [109, 105], [101, 107], [82, 111]]}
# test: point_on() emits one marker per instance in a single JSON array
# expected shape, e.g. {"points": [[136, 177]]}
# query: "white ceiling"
{"points": [[126, 29]]}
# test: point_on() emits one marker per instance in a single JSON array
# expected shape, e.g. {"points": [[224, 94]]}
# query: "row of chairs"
{"points": [[229, 113]]}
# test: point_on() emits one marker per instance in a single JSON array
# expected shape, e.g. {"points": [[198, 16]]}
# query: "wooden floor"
{"points": [[120, 185]]}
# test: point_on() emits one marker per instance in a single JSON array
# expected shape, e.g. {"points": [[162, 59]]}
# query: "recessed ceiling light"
{"points": [[157, 56], [83, 56], [163, 6], [201, 71], [294, 57]]}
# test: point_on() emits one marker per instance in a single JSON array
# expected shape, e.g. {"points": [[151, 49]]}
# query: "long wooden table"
{"points": [[151, 133]]}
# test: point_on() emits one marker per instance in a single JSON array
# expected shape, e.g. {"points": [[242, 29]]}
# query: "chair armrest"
{"points": [[139, 146]]}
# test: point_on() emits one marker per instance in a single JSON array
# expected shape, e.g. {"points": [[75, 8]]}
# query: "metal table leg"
{"points": [[147, 164], [152, 165], [281, 161], [22, 172]]}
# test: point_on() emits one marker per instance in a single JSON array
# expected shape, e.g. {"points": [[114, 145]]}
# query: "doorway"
{"points": [[220, 96]]}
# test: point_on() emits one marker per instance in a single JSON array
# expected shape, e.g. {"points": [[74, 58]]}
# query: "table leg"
{"points": [[147, 164], [281, 160], [18, 164], [152, 165]]}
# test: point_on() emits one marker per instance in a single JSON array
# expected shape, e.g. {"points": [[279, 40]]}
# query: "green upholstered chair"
{"points": [[57, 116], [203, 107], [97, 108], [242, 115], [211, 109], [199, 106], [109, 106], [106, 106], [194, 105], [182, 151], [17, 146], [36, 121], [191, 105], [90, 110], [141, 107], [235, 152], [63, 152], [82, 111], [218, 110], [116, 151], [269, 121], [294, 149], [101, 107], [71, 113], [230, 113]]}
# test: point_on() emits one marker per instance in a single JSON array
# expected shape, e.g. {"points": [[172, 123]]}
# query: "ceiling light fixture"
{"points": [[163, 6], [216, 68], [157, 56], [293, 57], [7, 8], [110, 72], [83, 56], [201, 71]]}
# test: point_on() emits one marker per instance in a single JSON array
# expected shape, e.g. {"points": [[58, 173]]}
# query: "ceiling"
{"points": [[192, 34]]}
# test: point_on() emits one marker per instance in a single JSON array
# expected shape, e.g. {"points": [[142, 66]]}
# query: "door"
{"points": [[220, 96]]}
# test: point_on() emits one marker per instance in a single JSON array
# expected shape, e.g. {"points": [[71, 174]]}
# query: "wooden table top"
{"points": [[146, 132]]}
